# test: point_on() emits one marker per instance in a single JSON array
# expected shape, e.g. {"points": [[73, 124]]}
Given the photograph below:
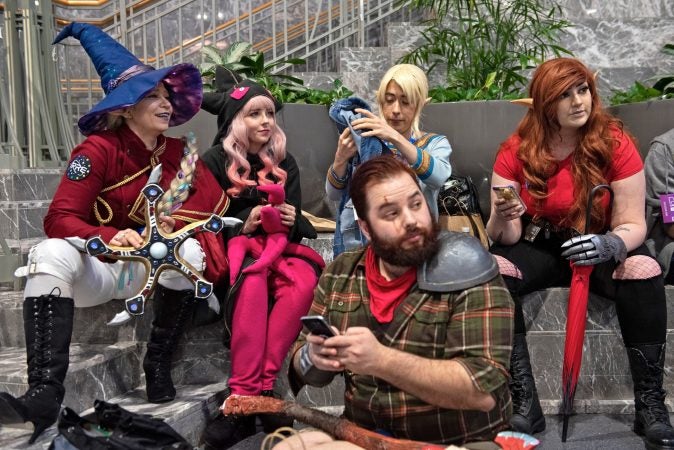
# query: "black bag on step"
{"points": [[459, 208], [458, 196], [114, 428]]}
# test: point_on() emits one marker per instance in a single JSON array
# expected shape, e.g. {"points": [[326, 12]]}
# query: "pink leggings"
{"points": [[260, 341]]}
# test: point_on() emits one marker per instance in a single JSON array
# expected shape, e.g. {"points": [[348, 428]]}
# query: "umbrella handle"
{"points": [[588, 211]]}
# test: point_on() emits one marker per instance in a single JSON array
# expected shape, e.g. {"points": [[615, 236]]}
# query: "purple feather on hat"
{"points": [[126, 80]]}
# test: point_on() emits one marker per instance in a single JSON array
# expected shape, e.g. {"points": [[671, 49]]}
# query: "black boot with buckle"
{"points": [[651, 416], [48, 326], [225, 431], [527, 414], [172, 310]]}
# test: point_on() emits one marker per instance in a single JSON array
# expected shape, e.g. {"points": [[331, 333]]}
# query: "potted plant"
{"points": [[311, 135], [647, 111], [486, 49]]}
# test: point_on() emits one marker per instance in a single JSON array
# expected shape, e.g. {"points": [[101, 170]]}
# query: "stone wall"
{"points": [[622, 40]]}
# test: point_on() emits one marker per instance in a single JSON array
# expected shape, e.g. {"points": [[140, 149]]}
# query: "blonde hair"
{"points": [[179, 188], [113, 121], [414, 84]]}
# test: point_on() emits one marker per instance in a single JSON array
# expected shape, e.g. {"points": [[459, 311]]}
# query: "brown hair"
{"points": [[596, 142], [372, 171]]}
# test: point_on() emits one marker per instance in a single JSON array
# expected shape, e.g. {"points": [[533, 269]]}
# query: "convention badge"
{"points": [[531, 231], [79, 168], [667, 207]]}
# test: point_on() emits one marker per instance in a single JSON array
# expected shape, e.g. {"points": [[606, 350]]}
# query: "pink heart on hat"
{"points": [[239, 92]]}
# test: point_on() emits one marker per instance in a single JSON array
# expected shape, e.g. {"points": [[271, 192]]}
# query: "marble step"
{"points": [[89, 324], [605, 383], [197, 399], [108, 371], [22, 185], [188, 415], [25, 195], [105, 360], [95, 371]]}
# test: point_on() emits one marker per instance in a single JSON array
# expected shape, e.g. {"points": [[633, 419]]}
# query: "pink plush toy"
{"points": [[268, 248]]}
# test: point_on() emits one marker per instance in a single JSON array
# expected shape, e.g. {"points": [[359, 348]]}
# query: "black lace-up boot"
{"points": [[48, 325], [651, 416], [172, 310], [527, 414], [225, 431]]}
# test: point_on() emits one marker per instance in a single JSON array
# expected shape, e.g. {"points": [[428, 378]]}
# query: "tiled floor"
{"points": [[586, 432]]}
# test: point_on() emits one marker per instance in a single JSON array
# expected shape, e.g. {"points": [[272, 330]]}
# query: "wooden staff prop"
{"points": [[335, 426]]}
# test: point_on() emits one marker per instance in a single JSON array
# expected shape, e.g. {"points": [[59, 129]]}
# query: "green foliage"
{"points": [[456, 94], [663, 87], [635, 93], [240, 57], [487, 44]]}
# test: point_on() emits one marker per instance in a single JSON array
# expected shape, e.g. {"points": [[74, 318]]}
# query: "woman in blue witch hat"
{"points": [[100, 195]]}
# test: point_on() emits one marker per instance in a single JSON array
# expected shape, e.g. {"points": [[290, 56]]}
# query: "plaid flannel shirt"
{"points": [[473, 327]]}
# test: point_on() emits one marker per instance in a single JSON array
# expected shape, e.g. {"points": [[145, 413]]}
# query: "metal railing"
{"points": [[32, 128], [165, 32]]}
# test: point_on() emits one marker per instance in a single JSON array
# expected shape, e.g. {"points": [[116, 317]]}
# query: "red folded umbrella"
{"points": [[576, 313], [575, 334]]}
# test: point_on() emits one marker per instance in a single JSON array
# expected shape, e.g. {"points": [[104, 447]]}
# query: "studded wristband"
{"points": [[305, 361]]}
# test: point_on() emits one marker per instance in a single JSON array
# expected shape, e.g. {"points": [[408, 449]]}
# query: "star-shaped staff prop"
{"points": [[158, 252]]}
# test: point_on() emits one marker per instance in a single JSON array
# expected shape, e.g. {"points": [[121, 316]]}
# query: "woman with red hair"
{"points": [[564, 146]]}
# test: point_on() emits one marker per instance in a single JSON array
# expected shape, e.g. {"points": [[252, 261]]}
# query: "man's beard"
{"points": [[392, 252]]}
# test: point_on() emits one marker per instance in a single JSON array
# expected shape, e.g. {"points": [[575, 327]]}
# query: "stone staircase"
{"points": [[106, 361], [106, 364]]}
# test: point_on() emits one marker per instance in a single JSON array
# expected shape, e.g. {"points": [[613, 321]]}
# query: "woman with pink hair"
{"points": [[268, 301]]}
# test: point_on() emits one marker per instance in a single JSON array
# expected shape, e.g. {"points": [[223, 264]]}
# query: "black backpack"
{"points": [[114, 428]]}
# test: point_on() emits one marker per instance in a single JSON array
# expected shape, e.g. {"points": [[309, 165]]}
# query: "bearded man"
{"points": [[423, 321]]}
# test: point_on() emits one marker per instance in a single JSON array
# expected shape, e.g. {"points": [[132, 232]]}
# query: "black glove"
{"points": [[590, 249]]}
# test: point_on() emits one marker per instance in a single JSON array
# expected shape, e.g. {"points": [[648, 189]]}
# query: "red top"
{"points": [[104, 166], [554, 208]]}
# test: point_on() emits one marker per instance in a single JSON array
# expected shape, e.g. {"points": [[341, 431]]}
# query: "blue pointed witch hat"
{"points": [[125, 80]]}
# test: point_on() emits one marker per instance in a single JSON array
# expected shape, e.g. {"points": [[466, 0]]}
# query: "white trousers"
{"points": [[89, 281]]}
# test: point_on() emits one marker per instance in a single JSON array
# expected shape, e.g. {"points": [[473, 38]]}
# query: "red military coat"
{"points": [[100, 193]]}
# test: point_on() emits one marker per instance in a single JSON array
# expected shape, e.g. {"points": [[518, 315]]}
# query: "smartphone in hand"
{"points": [[508, 193], [318, 325]]}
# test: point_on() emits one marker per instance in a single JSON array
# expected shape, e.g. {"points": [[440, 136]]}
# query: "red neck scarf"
{"points": [[385, 295]]}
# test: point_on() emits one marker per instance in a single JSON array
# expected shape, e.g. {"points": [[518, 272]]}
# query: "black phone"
{"points": [[318, 325]]}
